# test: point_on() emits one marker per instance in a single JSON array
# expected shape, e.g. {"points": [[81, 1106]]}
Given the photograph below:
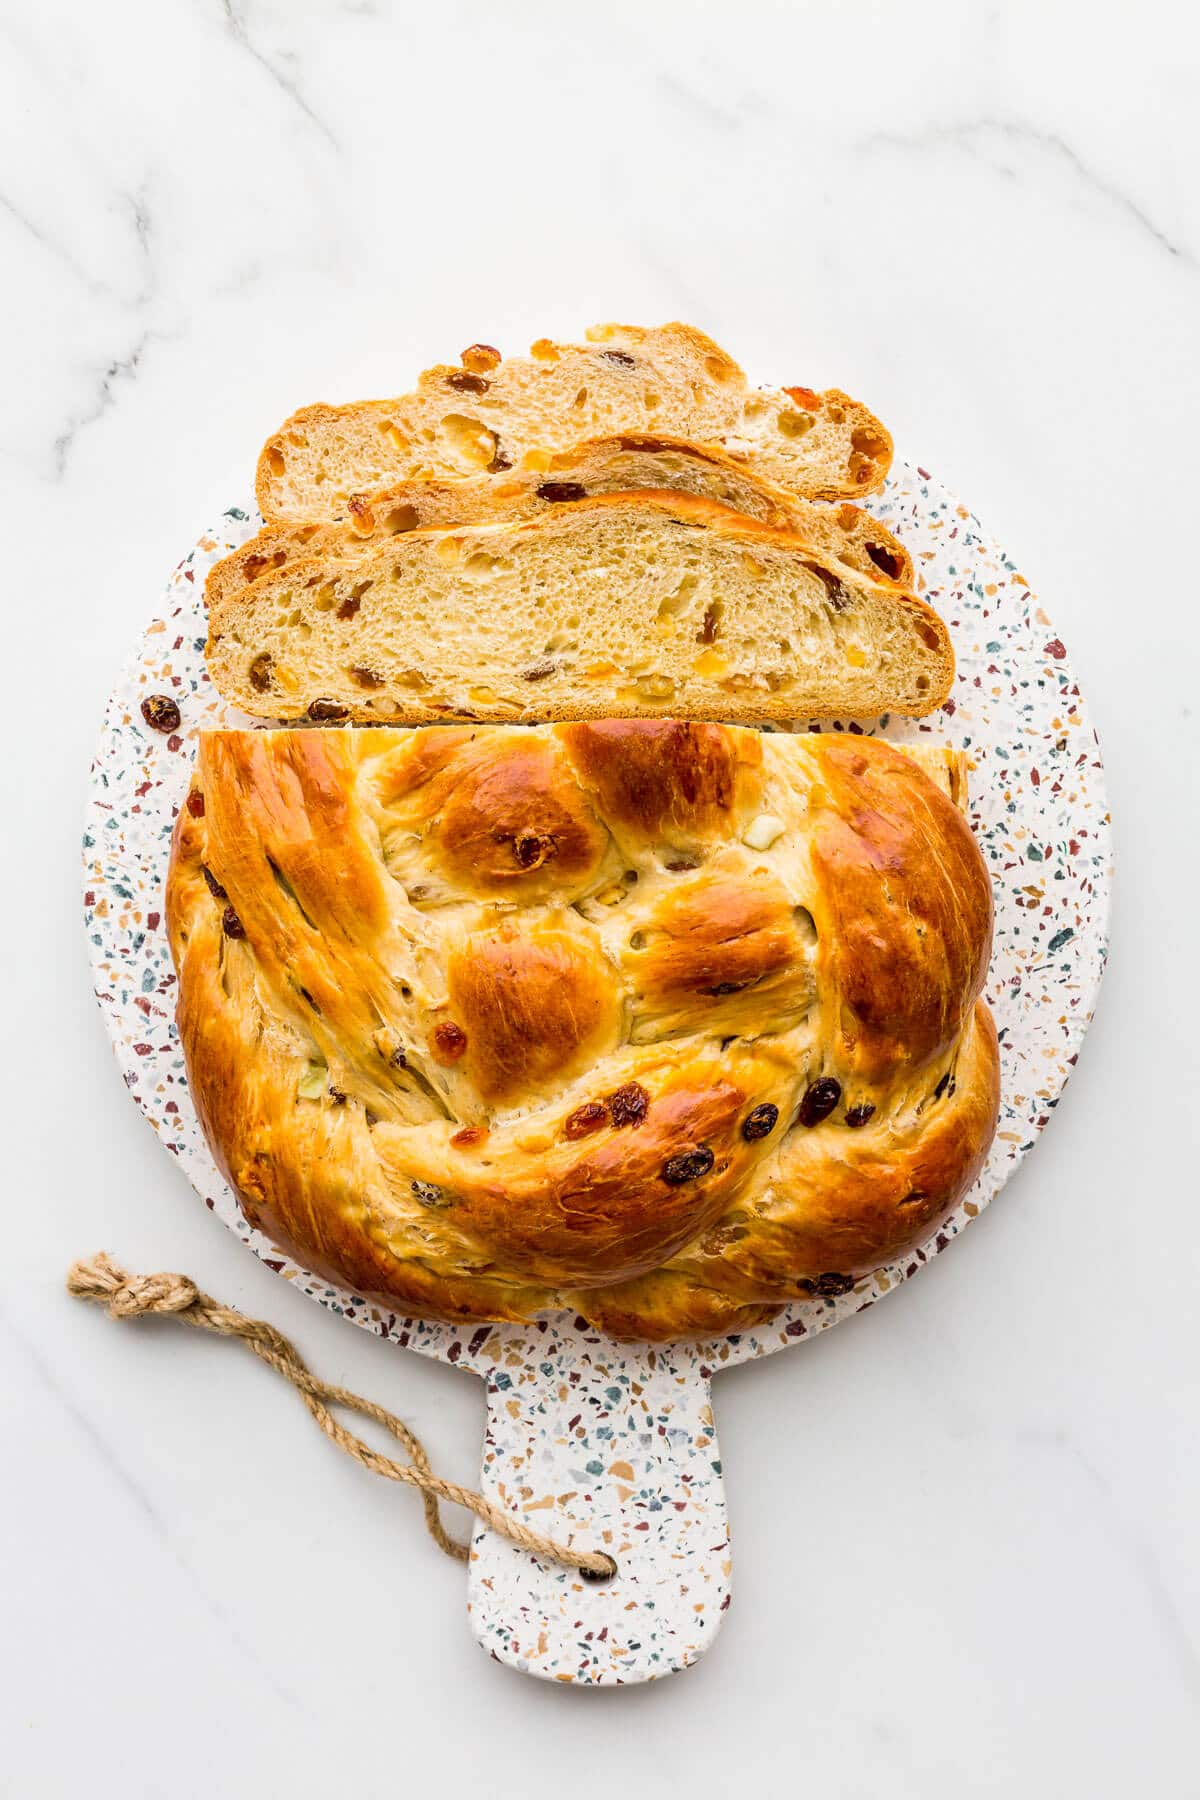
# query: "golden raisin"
{"points": [[479, 358], [589, 1117], [468, 1136], [449, 1042]]}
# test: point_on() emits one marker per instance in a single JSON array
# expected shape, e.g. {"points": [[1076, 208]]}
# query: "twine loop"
{"points": [[126, 1296]]}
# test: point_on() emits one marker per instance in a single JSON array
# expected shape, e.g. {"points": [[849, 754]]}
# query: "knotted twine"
{"points": [[128, 1296]]}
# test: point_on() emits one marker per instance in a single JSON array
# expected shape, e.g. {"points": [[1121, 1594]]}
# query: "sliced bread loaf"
{"points": [[600, 466], [494, 415], [626, 605]]}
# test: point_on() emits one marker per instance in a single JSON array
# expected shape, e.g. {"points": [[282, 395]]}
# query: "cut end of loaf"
{"points": [[515, 413], [629, 606], [594, 467]]}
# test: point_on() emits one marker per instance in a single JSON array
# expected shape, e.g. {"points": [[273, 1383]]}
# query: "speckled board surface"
{"points": [[605, 1444]]}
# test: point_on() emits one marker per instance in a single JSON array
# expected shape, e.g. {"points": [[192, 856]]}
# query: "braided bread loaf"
{"points": [[666, 1023]]}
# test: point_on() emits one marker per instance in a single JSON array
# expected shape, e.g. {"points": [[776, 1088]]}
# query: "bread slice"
{"points": [[493, 416], [600, 466], [627, 605]]}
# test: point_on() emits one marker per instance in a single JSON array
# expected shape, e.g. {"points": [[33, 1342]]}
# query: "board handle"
{"points": [[611, 1448]]}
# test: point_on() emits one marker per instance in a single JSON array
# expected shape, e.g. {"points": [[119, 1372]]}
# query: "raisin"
{"points": [[589, 1117], [319, 710], [365, 678], [942, 1085], [499, 462], [839, 595], [336, 1094], [682, 865], [469, 1135], [449, 1041], [466, 383], [830, 1286], [349, 607], [629, 1105], [886, 560], [231, 924], [761, 1122], [531, 850], [539, 671], [160, 713], [261, 672], [428, 1193], [858, 1115], [622, 358], [689, 1166], [195, 803], [399, 1057], [819, 1101], [561, 490], [480, 357], [214, 886], [708, 628]]}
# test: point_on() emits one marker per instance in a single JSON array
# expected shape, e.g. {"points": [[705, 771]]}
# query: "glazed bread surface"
{"points": [[494, 415], [601, 466], [632, 604], [669, 1024]]}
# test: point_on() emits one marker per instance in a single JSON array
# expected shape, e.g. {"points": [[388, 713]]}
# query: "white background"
{"points": [[965, 1525]]}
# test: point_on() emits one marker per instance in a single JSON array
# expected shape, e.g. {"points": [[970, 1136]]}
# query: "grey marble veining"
{"points": [[956, 1574]]}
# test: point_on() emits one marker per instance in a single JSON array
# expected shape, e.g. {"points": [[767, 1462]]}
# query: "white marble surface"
{"points": [[982, 218]]}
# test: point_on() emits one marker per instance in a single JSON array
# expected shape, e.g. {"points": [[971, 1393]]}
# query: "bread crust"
{"points": [[485, 1021], [600, 466]]}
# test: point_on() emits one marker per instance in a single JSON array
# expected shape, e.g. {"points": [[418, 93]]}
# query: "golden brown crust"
{"points": [[665, 778], [596, 466], [904, 937], [480, 1081]]}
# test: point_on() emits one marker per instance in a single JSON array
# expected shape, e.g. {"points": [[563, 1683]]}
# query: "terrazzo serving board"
{"points": [[599, 1444]]}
